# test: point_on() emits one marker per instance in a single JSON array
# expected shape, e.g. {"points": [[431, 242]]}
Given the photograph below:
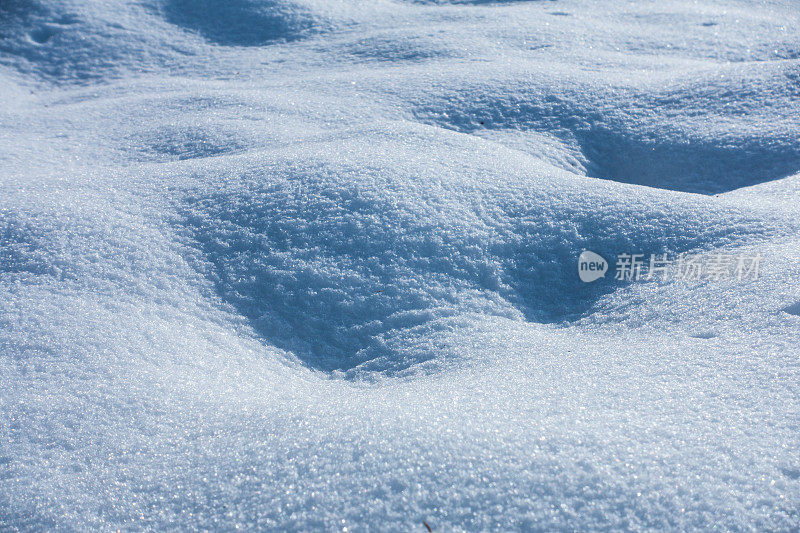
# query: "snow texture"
{"points": [[311, 265]]}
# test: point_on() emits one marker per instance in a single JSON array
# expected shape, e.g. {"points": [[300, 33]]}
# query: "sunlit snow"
{"points": [[312, 265]]}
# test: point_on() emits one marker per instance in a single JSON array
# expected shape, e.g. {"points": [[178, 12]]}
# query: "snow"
{"points": [[306, 264]]}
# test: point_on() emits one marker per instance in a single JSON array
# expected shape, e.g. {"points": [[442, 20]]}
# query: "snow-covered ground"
{"points": [[312, 264]]}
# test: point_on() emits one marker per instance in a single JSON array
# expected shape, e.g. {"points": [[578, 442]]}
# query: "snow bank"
{"points": [[312, 265]]}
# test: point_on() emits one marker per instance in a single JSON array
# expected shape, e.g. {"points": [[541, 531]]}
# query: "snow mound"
{"points": [[621, 134], [312, 265], [338, 252]]}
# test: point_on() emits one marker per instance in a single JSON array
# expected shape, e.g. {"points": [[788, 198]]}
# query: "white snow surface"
{"points": [[311, 265]]}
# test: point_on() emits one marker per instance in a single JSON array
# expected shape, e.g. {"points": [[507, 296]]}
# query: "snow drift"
{"points": [[312, 265]]}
